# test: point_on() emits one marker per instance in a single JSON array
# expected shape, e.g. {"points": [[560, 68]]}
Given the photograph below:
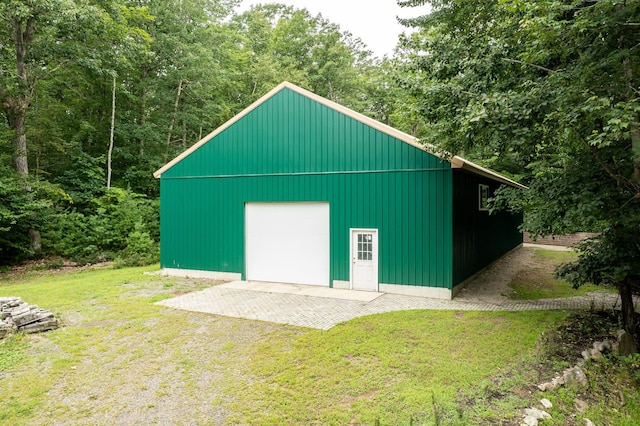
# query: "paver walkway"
{"points": [[323, 308]]}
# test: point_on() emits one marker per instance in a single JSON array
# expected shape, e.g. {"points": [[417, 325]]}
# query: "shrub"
{"points": [[140, 250], [119, 223]]}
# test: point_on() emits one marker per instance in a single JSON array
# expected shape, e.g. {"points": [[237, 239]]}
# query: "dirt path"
{"points": [[492, 284]]}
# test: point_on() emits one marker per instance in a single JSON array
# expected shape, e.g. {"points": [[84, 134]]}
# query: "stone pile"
{"points": [[575, 377], [16, 315]]}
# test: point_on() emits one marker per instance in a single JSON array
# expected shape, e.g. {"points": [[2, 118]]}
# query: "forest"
{"points": [[98, 94]]}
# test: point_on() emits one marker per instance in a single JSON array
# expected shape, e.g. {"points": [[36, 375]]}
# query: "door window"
{"points": [[365, 246]]}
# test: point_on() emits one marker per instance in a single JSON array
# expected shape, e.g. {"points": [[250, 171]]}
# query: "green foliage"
{"points": [[140, 249], [632, 362], [119, 221], [22, 201], [608, 259], [551, 90], [291, 44]]}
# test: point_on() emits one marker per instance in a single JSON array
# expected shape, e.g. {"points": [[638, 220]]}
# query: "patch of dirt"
{"points": [[49, 267], [165, 377], [578, 332], [367, 396]]}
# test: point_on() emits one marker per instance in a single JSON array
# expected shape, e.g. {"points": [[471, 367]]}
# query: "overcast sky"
{"points": [[373, 21]]}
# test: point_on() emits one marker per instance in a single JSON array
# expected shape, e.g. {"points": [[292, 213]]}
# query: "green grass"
{"points": [[120, 359], [384, 369], [12, 351], [538, 282]]}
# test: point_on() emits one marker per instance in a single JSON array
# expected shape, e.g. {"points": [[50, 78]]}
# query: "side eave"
{"points": [[461, 163]]}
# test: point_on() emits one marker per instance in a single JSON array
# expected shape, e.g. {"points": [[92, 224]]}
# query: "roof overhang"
{"points": [[462, 164]]}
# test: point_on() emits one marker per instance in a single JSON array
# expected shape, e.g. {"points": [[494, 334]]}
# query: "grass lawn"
{"points": [[121, 359], [538, 282]]}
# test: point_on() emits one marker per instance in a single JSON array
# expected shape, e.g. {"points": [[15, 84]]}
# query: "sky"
{"points": [[373, 21]]}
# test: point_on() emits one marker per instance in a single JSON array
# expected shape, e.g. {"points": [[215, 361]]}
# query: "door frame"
{"points": [[375, 254]]}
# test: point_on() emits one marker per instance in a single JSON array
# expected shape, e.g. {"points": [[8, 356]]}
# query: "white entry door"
{"points": [[287, 242], [364, 259]]}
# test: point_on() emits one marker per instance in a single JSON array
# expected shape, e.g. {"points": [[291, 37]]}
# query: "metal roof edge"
{"points": [[461, 163]]}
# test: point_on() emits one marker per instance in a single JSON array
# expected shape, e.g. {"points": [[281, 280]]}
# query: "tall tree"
{"points": [[553, 86], [17, 86]]}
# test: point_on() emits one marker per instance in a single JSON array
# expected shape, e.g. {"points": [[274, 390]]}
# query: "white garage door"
{"points": [[287, 242]]}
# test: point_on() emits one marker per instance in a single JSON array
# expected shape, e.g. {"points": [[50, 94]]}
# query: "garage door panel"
{"points": [[287, 242]]}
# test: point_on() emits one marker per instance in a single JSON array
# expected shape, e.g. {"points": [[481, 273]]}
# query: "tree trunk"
{"points": [[175, 113], [635, 146], [16, 108], [628, 311], [184, 134], [17, 124], [113, 126], [143, 108]]}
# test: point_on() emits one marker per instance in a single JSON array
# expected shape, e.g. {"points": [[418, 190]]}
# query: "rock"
{"points": [[557, 381], [595, 354], [548, 386], [580, 405], [536, 414], [586, 355], [39, 326], [575, 377], [532, 415], [546, 403], [4, 330], [626, 345], [604, 347], [588, 422]]}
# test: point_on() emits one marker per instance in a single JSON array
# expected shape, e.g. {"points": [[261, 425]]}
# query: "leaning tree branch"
{"points": [[516, 61]]}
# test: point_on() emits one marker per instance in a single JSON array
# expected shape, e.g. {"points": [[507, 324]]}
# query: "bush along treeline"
{"points": [[116, 225], [119, 225]]}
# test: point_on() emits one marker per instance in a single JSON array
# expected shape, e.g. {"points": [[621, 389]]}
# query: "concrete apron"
{"points": [[304, 290]]}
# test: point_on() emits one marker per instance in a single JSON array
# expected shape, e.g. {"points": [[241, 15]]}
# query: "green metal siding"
{"points": [[293, 149], [478, 237]]}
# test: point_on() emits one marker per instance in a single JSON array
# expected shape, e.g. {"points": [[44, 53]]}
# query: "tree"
{"points": [[554, 88], [43, 37], [290, 44], [17, 86]]}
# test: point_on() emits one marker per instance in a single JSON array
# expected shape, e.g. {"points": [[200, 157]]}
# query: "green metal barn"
{"points": [[298, 189]]}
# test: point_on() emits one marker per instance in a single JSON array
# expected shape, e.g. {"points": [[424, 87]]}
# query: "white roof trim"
{"points": [[461, 163], [456, 162]]}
